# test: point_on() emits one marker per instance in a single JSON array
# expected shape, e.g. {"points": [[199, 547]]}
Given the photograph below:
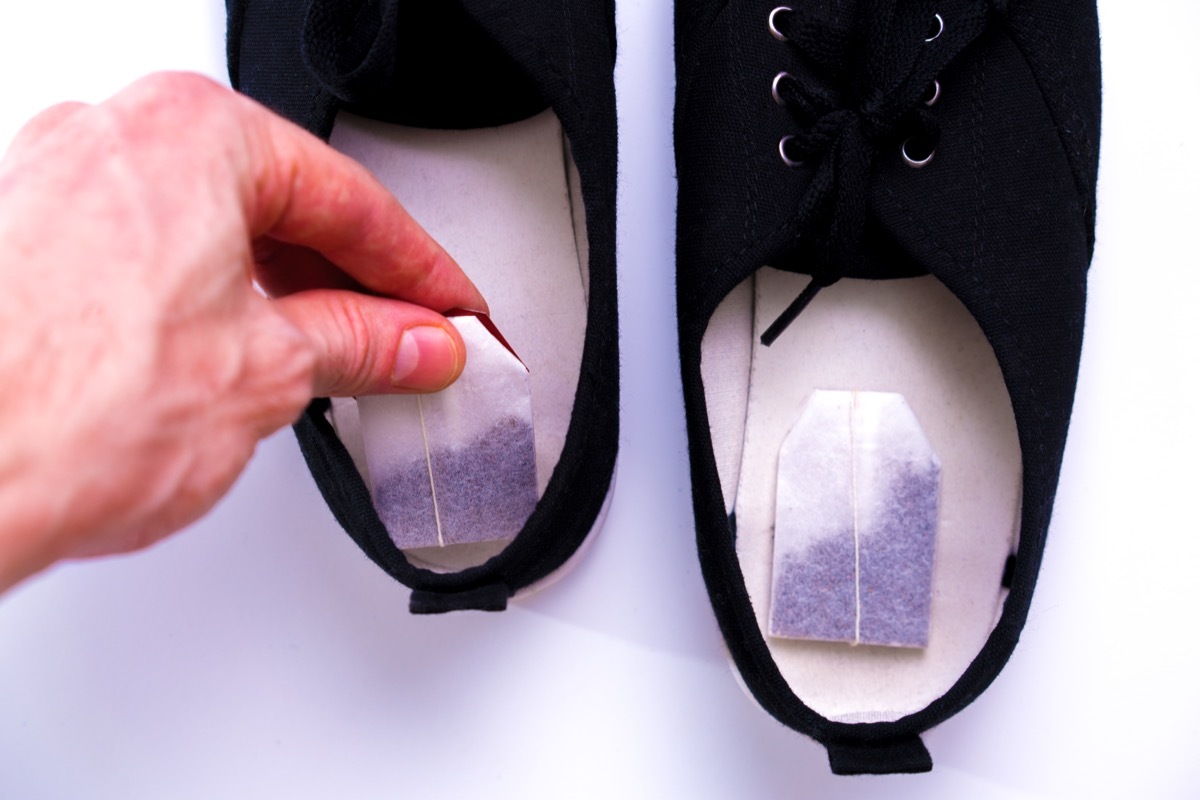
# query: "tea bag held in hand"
{"points": [[457, 466]]}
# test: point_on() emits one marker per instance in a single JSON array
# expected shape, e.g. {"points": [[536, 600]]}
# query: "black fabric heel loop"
{"points": [[493, 597], [907, 754]]}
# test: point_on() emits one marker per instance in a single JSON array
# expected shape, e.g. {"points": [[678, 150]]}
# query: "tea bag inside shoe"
{"points": [[908, 338], [855, 518], [505, 203], [457, 466]]}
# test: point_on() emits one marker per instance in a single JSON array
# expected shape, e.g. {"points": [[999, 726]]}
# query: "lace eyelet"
{"points": [[771, 22], [933, 95], [791, 162], [775, 87], [935, 30], [916, 162]]}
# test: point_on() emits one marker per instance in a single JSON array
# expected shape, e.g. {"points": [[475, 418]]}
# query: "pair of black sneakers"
{"points": [[877, 198]]}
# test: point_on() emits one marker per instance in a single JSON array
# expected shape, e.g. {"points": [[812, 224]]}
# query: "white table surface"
{"points": [[259, 654]]}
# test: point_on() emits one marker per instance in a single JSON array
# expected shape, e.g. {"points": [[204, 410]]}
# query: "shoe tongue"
{"points": [[825, 31], [424, 63], [884, 259]]}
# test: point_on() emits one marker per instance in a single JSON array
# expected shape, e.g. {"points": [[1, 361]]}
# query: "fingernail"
{"points": [[426, 359]]}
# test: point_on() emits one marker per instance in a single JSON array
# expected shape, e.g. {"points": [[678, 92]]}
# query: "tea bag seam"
{"points": [[437, 517], [854, 513]]}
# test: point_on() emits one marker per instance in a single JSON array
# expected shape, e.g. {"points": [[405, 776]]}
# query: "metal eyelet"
{"points": [[937, 92], [791, 162], [915, 163], [775, 87], [771, 22], [936, 29]]}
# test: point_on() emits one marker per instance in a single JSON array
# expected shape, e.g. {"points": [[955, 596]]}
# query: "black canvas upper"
{"points": [[1003, 216], [472, 63]]}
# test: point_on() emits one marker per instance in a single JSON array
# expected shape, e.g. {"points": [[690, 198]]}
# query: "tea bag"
{"points": [[457, 466], [855, 519]]}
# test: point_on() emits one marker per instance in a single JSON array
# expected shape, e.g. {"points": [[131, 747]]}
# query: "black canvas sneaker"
{"points": [[495, 125], [885, 222]]}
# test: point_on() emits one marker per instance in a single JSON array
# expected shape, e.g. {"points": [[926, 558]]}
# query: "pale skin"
{"points": [[139, 363]]}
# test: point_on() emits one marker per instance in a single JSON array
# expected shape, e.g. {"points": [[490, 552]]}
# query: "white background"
{"points": [[259, 654]]}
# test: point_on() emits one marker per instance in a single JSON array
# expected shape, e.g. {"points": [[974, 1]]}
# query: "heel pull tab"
{"points": [[493, 597], [891, 756]]}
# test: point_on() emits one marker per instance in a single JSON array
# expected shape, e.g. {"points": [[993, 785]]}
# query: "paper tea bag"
{"points": [[856, 514], [456, 466]]}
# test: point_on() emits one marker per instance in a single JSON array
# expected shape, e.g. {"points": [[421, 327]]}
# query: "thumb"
{"points": [[374, 345]]}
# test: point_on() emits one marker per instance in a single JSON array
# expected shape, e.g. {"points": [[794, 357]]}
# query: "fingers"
{"points": [[45, 122], [372, 345], [305, 193], [283, 269], [294, 188]]}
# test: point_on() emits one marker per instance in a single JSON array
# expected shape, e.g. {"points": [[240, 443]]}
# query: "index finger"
{"points": [[306, 193]]}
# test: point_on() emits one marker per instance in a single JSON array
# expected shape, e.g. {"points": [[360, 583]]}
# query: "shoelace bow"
{"points": [[869, 80]]}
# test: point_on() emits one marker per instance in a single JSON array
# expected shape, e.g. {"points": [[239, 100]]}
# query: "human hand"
{"points": [[139, 364]]}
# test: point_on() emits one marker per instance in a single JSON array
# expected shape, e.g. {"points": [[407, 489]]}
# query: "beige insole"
{"points": [[909, 336], [505, 203]]}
